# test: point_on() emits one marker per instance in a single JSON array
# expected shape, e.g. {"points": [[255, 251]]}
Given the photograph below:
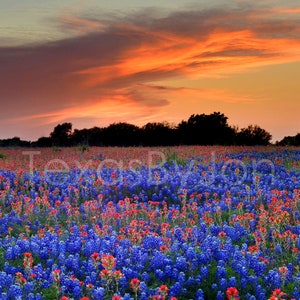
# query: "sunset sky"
{"points": [[95, 62]]}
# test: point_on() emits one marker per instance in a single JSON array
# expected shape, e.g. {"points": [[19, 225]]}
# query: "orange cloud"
{"points": [[294, 10], [221, 51]]}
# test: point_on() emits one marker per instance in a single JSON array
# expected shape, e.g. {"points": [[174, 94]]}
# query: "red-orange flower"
{"points": [[105, 274], [95, 256], [277, 294], [118, 274], [163, 290], [108, 261], [56, 275], [222, 234], [232, 293], [135, 284], [253, 249], [28, 260]]}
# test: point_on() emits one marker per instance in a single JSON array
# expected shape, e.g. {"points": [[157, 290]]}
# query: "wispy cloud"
{"points": [[116, 62], [292, 10]]}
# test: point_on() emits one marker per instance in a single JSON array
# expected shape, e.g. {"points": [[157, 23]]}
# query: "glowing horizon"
{"points": [[98, 64]]}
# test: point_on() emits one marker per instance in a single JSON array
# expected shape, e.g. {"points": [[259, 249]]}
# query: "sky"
{"points": [[96, 62]]}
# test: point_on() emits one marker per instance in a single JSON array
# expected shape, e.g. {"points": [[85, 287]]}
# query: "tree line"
{"points": [[199, 129]]}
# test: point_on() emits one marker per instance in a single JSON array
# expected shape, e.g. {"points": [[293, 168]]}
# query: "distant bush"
{"points": [[290, 141], [83, 148], [56, 149], [173, 157]]}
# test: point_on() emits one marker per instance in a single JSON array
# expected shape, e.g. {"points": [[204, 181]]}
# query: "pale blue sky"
{"points": [[23, 21], [32, 19], [27, 21]]}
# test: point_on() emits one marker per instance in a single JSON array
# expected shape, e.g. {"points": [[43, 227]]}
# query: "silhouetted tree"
{"points": [[96, 136], [80, 137], [43, 142], [61, 134], [121, 134], [290, 141], [206, 130], [253, 135], [159, 134], [202, 129], [14, 142]]}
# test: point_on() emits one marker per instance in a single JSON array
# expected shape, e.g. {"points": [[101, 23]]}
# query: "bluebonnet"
{"points": [[278, 249], [158, 260], [181, 278], [260, 292], [160, 274], [273, 278], [127, 297], [29, 287], [77, 291], [220, 295], [223, 284], [98, 293], [176, 289], [144, 287], [232, 282], [9, 255], [200, 295], [296, 293], [204, 271], [15, 292], [221, 272], [181, 263]]}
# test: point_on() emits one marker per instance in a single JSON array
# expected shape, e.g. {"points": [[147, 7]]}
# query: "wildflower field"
{"points": [[150, 223]]}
